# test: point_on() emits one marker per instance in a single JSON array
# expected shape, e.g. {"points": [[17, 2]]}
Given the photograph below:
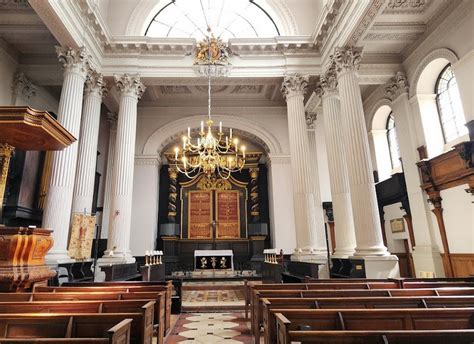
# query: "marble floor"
{"points": [[203, 328]]}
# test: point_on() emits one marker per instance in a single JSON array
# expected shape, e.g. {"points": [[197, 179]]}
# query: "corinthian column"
{"points": [[356, 144], [308, 218], [58, 205], [426, 253], [86, 163], [341, 197], [131, 89], [112, 117], [320, 247]]}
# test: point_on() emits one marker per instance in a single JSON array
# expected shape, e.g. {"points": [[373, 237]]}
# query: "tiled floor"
{"points": [[210, 328]]}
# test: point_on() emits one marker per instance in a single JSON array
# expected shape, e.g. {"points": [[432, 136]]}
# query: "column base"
{"points": [[375, 266], [342, 254], [428, 261], [55, 258], [116, 259]]}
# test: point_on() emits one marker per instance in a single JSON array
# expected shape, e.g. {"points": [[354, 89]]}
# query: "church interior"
{"points": [[170, 170]]}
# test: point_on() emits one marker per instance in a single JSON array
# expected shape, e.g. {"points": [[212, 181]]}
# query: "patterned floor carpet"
{"points": [[213, 298], [230, 328]]}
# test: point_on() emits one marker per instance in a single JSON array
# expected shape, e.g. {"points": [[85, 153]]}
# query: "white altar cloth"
{"points": [[214, 253]]}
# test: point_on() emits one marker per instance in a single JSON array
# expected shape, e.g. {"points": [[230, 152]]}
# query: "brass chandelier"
{"points": [[212, 154]]}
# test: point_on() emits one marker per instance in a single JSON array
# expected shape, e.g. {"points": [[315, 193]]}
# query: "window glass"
{"points": [[226, 19], [393, 142], [450, 110]]}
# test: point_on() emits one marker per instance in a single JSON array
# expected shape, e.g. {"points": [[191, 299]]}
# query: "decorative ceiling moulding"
{"points": [[330, 12], [407, 6], [376, 7], [15, 5]]}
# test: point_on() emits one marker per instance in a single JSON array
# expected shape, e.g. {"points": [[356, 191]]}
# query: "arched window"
{"points": [[392, 139], [451, 114], [226, 19]]}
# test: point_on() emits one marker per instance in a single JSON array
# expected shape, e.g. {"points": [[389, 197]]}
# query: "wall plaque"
{"points": [[199, 215], [397, 225], [228, 214]]}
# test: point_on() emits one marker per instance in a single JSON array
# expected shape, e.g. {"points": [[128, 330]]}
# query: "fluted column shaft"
{"points": [[307, 218], [341, 198], [109, 175], [87, 156], [58, 205], [320, 244], [356, 145], [130, 89]]}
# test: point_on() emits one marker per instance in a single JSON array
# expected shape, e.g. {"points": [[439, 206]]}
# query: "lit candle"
{"points": [[202, 126], [220, 127]]}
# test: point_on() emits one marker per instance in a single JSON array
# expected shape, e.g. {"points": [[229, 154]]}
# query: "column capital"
{"points": [[311, 119], [22, 85], [327, 85], [347, 59], [397, 86], [294, 84], [112, 119], [95, 83], [131, 85], [75, 61]]}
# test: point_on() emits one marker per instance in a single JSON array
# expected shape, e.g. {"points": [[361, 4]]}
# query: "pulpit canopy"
{"points": [[27, 129]]}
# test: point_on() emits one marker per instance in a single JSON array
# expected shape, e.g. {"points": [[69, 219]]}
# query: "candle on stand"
{"points": [[202, 126], [230, 133], [220, 127], [189, 132], [176, 151]]}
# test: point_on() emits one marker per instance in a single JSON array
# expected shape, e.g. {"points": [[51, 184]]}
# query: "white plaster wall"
{"points": [[8, 67], [459, 219], [272, 119], [144, 206], [282, 218], [394, 240]]}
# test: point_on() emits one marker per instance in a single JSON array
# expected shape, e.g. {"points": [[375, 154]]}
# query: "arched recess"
{"points": [[422, 87], [380, 149], [147, 9], [417, 80], [164, 135]]}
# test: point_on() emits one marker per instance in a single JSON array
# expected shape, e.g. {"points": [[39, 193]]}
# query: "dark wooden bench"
{"points": [[158, 297], [113, 287], [371, 320], [146, 307], [383, 337], [85, 325], [257, 307], [269, 321], [360, 284]]}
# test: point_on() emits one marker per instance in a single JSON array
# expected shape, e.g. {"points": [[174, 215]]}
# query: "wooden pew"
{"points": [[118, 334], [257, 307], [76, 325], [158, 297], [269, 321], [115, 287], [100, 306], [383, 337], [372, 320], [334, 284]]}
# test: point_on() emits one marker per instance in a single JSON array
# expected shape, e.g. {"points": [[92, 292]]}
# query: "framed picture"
{"points": [[397, 225]]}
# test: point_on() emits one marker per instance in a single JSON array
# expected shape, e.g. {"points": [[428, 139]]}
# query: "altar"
{"points": [[213, 260]]}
